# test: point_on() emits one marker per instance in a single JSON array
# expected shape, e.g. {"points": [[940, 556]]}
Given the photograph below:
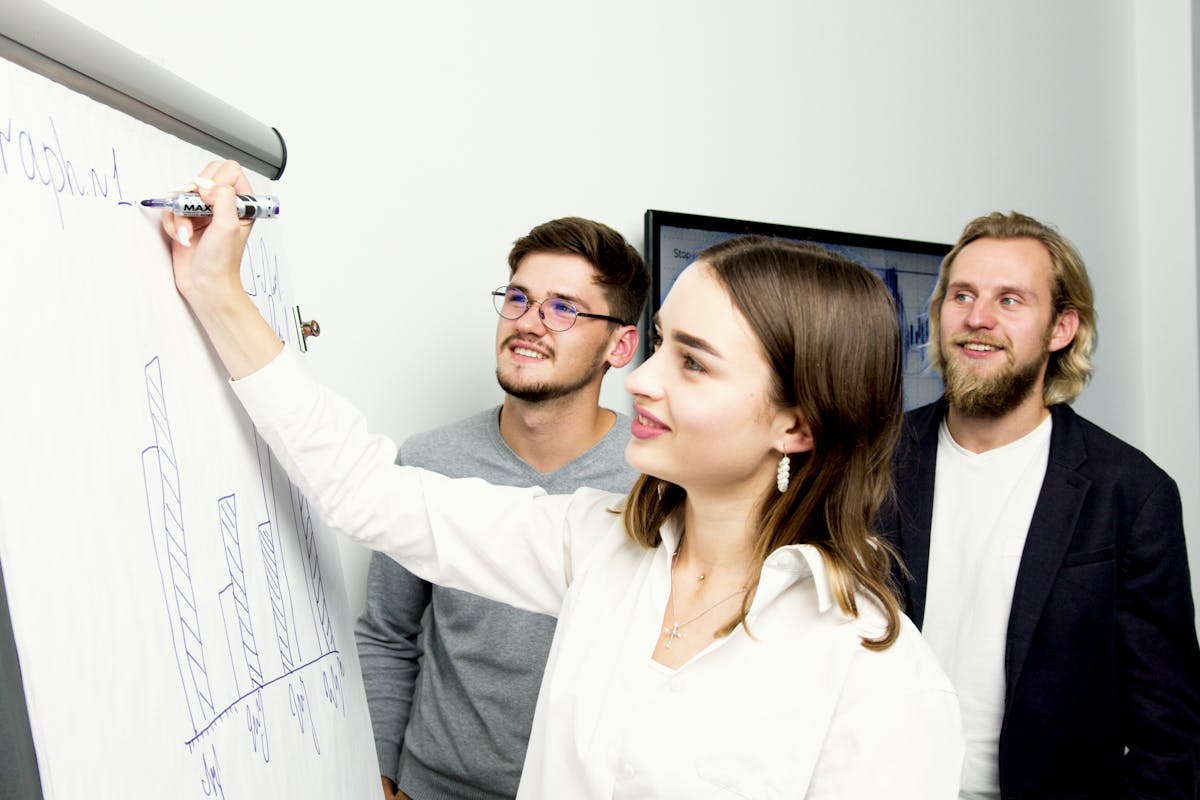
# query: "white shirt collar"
{"points": [[787, 565]]}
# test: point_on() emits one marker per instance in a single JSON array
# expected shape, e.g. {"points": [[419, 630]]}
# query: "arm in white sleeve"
{"points": [[514, 545]]}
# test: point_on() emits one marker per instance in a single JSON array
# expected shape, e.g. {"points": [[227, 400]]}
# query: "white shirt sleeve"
{"points": [[514, 545]]}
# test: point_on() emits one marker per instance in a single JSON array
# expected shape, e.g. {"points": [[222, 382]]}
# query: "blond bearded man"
{"points": [[1046, 558]]}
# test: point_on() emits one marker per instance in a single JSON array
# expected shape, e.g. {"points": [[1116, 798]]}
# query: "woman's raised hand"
{"points": [[206, 256]]}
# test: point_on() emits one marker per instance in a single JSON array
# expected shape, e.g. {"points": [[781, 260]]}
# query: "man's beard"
{"points": [[544, 392], [991, 395]]}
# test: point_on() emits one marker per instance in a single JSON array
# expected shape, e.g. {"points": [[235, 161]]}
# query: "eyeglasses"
{"points": [[556, 313]]}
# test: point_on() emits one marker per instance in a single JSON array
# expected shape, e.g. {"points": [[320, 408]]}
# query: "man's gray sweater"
{"points": [[456, 723]]}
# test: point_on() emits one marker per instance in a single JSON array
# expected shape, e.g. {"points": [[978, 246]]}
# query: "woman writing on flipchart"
{"points": [[727, 629]]}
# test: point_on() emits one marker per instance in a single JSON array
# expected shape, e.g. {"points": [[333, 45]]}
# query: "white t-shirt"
{"points": [[798, 708], [982, 506]]}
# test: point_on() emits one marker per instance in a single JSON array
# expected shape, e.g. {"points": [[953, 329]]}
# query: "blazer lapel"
{"points": [[914, 488], [1050, 531]]}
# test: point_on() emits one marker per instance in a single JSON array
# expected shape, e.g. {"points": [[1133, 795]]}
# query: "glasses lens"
{"points": [[510, 303], [557, 314]]}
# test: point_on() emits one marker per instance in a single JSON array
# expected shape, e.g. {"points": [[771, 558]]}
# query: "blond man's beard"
{"points": [[990, 395]]}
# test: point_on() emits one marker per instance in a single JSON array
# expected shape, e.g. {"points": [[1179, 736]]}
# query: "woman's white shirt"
{"points": [[795, 707]]}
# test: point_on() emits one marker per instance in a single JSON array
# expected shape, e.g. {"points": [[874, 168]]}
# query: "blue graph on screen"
{"points": [[909, 276]]}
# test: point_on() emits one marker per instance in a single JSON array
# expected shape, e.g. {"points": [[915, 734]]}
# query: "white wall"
{"points": [[454, 127], [1165, 111]]}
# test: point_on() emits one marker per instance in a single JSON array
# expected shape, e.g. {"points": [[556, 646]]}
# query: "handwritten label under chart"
{"points": [[180, 619]]}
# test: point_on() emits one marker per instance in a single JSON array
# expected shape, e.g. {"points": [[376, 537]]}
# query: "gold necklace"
{"points": [[673, 631]]}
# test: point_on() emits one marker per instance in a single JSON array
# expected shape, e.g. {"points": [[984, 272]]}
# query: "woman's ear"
{"points": [[796, 434]]}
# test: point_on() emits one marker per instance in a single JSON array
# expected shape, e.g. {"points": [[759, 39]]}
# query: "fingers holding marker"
{"points": [[180, 227], [214, 185], [218, 174], [228, 182], [228, 173], [170, 227], [221, 196], [239, 181], [177, 228]]}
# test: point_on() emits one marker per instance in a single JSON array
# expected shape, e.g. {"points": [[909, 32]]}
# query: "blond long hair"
{"points": [[829, 332], [1068, 369]]}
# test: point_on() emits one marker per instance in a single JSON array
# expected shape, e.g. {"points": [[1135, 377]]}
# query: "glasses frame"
{"points": [[502, 292]]}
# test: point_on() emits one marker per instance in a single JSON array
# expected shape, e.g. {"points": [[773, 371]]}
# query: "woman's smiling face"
{"points": [[703, 415]]}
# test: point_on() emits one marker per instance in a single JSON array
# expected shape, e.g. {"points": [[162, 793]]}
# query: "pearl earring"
{"points": [[783, 475]]}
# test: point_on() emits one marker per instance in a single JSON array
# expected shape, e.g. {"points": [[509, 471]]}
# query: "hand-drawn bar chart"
{"points": [[238, 644]]}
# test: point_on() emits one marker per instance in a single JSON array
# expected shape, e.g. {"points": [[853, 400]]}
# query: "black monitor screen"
{"points": [[908, 268]]}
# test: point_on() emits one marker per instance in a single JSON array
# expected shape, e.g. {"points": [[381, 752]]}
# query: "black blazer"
{"points": [[1102, 669]]}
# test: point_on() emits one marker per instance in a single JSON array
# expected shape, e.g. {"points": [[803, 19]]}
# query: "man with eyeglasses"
{"points": [[451, 678]]}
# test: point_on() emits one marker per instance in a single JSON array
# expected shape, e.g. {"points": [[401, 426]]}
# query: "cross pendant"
{"points": [[672, 633]]}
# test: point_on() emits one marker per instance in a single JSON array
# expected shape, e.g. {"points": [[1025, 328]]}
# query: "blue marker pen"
{"points": [[249, 206]]}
